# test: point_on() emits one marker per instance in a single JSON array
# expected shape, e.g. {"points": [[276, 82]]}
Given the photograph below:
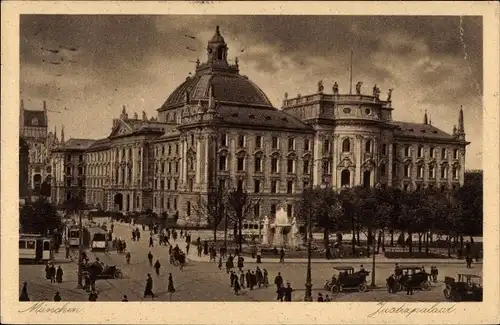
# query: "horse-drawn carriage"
{"points": [[468, 287], [347, 279], [97, 270], [410, 276]]}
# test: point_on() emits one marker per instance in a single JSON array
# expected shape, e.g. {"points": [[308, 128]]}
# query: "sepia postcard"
{"points": [[250, 162]]}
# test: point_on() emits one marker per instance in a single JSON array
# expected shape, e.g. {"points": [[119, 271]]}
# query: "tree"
{"points": [[325, 206], [73, 205], [40, 217], [214, 206], [241, 204]]}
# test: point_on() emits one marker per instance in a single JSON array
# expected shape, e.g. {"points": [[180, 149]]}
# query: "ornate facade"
{"points": [[33, 129], [219, 129]]}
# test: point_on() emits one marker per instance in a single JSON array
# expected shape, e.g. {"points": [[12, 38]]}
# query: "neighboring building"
{"points": [[23, 169], [33, 126], [219, 129], [358, 143], [68, 166]]}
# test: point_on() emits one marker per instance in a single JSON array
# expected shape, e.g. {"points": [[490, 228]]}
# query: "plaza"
{"points": [[203, 281]]}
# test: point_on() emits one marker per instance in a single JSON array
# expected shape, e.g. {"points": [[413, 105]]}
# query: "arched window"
{"points": [[345, 178], [346, 145], [420, 151], [368, 146], [382, 169]]}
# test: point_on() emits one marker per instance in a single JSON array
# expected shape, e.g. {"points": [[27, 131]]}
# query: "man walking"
{"points": [[150, 258], [148, 291]]}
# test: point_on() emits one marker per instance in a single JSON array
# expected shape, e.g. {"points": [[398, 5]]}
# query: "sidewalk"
{"points": [[193, 256]]}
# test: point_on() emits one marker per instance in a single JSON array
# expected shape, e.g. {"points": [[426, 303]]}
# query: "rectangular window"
{"points": [[273, 210], [222, 184], [258, 164], [240, 185], [241, 141], [289, 187], [407, 151], [223, 140], [290, 166], [444, 172], [168, 184], [306, 167], [222, 163], [306, 144], [455, 173], [241, 164], [274, 165], [188, 208], [291, 144], [455, 154], [407, 171], [274, 143], [162, 184], [176, 167], [256, 186], [22, 244], [274, 186], [289, 211], [420, 151], [443, 153], [256, 211], [327, 167], [326, 146], [382, 170], [431, 172], [190, 185], [420, 171], [176, 150], [431, 152], [175, 184], [258, 141], [384, 149]]}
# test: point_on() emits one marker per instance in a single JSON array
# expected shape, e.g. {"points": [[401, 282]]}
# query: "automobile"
{"points": [[412, 275], [347, 279], [468, 287], [100, 271]]}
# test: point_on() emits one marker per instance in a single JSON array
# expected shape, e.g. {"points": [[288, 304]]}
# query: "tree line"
{"points": [[391, 211]]}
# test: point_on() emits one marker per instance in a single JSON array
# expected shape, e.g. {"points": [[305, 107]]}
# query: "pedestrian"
{"points": [[409, 287], [240, 262], [320, 297], [67, 251], [361, 269], [148, 291], [248, 278], [259, 257], [436, 273], [280, 293], [170, 288], [288, 292], [93, 295], [327, 298], [232, 276], [151, 241], [282, 256], [157, 267], [220, 263], [127, 257], [125, 298], [59, 274], [278, 281], [57, 296], [205, 248], [259, 276], [187, 249], [468, 261], [24, 293], [390, 283], [150, 258], [52, 274], [200, 249], [229, 264], [266, 278], [253, 279], [236, 286]]}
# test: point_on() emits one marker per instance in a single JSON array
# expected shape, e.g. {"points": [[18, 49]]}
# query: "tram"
{"points": [[73, 235], [251, 228], [99, 239], [35, 248]]}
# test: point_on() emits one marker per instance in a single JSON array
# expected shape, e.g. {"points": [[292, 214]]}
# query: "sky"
{"points": [[434, 63]]}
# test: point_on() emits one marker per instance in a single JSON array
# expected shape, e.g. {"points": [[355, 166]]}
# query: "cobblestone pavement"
{"points": [[203, 281]]}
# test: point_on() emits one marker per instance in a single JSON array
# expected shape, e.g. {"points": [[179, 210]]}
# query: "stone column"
{"points": [[462, 167], [335, 154], [389, 165], [199, 157], [208, 156], [316, 172], [184, 162], [358, 159], [232, 161]]}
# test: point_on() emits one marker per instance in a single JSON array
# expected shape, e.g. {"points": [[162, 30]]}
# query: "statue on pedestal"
{"points": [[335, 88], [265, 231], [358, 87], [389, 95], [320, 86]]}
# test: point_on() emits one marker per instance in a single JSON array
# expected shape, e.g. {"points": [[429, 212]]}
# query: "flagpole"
{"points": [[350, 81]]}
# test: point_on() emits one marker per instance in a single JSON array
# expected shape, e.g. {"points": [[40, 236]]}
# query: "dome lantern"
{"points": [[217, 48]]}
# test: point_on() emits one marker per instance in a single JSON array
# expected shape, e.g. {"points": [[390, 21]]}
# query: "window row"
{"points": [[259, 165], [432, 152], [159, 167], [98, 156], [241, 142], [168, 184], [407, 171], [168, 149], [168, 203]]}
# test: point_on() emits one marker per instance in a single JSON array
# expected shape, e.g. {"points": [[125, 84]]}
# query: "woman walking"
{"points": [[170, 288]]}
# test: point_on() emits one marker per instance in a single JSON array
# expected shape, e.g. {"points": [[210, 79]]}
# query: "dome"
{"points": [[226, 87], [217, 38]]}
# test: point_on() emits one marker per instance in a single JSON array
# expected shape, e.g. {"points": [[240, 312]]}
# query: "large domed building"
{"points": [[218, 129]]}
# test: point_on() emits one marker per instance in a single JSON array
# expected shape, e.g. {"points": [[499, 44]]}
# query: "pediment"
{"points": [[120, 129]]}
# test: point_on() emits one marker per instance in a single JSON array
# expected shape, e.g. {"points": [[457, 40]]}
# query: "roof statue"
{"points": [[136, 117], [376, 92], [335, 88], [389, 94], [320, 86], [358, 87], [286, 96], [144, 116]]}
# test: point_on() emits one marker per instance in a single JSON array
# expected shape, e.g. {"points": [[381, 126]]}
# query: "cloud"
{"points": [[433, 63]]}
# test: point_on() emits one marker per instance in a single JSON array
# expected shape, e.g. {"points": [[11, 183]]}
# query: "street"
{"points": [[203, 281]]}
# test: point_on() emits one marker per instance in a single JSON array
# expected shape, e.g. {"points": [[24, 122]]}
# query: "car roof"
{"points": [[342, 268], [469, 275]]}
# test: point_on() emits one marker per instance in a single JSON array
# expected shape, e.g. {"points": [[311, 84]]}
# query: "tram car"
{"points": [[73, 235], [99, 239], [250, 228], [35, 248]]}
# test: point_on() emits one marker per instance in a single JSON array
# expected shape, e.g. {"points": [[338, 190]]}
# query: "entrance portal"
{"points": [[345, 178], [37, 182], [367, 178], [119, 201]]}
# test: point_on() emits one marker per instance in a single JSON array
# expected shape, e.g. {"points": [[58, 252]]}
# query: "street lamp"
{"points": [[80, 248]]}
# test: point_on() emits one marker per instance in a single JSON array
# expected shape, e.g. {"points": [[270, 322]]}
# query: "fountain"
{"points": [[281, 233], [265, 231]]}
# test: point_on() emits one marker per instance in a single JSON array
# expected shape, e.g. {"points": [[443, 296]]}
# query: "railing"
{"points": [[338, 98]]}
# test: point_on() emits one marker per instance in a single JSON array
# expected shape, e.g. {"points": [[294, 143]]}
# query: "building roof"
{"points": [[99, 144], [77, 144], [34, 118], [260, 117], [420, 130], [226, 87]]}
